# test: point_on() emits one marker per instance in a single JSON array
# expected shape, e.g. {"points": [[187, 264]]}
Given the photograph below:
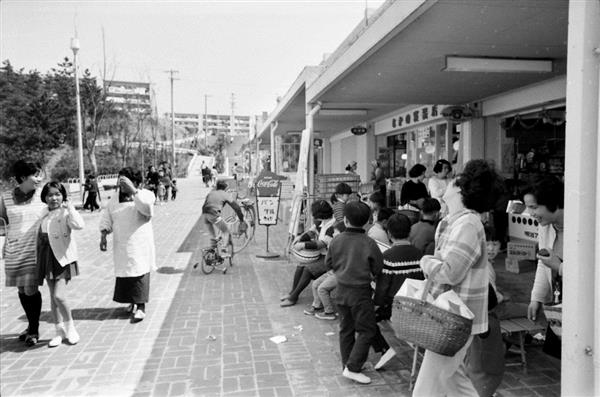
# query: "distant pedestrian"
{"points": [[93, 193], [21, 210], [214, 173], [355, 260], [206, 173], [152, 180], [174, 190], [128, 216], [57, 257]]}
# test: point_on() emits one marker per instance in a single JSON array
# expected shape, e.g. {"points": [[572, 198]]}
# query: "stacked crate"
{"points": [[325, 184]]}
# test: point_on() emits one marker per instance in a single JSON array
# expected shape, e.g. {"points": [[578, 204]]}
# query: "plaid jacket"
{"points": [[461, 252]]}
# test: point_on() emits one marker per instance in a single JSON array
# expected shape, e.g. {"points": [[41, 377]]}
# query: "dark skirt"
{"points": [[132, 289], [48, 266]]}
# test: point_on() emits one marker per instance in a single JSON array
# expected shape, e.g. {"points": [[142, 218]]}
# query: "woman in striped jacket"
{"points": [[21, 210]]}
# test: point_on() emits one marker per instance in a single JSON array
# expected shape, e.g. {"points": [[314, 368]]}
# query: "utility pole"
{"points": [[205, 121], [75, 49], [171, 73], [232, 120]]}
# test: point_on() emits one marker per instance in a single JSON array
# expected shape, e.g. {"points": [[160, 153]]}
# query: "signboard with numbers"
{"points": [[268, 192]]}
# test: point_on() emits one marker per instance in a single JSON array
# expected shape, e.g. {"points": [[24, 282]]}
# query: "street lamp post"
{"points": [[75, 48]]}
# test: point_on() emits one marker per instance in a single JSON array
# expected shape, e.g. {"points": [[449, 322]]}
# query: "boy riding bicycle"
{"points": [[211, 212]]}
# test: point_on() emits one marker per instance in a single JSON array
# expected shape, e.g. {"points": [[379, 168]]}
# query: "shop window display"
{"points": [[290, 153], [538, 146]]}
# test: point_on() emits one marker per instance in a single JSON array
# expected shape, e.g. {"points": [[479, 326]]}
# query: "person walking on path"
{"points": [[93, 193], [461, 257], [57, 257], [128, 216], [21, 209], [355, 260]]}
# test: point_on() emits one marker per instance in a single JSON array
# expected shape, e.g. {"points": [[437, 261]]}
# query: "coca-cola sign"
{"points": [[267, 186]]}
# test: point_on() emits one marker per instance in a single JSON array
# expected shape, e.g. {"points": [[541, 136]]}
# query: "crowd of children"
{"points": [[369, 252], [366, 252]]}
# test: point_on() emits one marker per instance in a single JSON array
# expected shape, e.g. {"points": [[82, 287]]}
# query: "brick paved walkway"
{"points": [[205, 335]]}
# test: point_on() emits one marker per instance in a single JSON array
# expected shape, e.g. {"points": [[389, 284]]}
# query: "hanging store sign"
{"points": [[359, 130], [424, 113]]}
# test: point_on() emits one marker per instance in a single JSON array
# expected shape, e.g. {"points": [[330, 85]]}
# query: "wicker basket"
{"points": [[427, 326]]}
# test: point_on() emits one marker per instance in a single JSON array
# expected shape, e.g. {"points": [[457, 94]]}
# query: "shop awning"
{"points": [[400, 59], [289, 114]]}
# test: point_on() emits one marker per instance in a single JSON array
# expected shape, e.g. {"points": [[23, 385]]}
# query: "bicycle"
{"points": [[212, 258], [240, 239]]}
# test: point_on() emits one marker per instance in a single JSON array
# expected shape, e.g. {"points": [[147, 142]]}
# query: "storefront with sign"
{"points": [[525, 132], [417, 135]]}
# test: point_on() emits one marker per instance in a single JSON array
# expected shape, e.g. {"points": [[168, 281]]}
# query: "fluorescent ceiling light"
{"points": [[497, 65], [342, 112]]}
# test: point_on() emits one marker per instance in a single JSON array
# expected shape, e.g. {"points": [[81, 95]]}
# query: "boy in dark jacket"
{"points": [[356, 261]]}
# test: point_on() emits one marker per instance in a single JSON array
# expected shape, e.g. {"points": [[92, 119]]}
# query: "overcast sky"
{"points": [[254, 49]]}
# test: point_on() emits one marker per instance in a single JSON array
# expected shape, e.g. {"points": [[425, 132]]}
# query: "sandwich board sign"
{"points": [[268, 193]]}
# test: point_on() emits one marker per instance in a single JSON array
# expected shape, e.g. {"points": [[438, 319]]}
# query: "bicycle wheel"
{"points": [[239, 240]]}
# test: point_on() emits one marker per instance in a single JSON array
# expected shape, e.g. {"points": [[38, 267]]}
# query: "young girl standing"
{"points": [[57, 257]]}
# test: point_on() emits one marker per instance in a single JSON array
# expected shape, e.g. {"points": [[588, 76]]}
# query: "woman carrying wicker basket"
{"points": [[461, 256]]}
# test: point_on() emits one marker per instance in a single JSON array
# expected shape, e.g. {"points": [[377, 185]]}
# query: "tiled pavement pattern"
{"points": [[204, 335]]}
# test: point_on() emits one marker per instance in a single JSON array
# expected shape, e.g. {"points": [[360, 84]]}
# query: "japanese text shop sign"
{"points": [[268, 191]]}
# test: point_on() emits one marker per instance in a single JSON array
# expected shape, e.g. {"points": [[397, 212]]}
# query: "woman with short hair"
{"points": [[460, 263], [21, 210]]}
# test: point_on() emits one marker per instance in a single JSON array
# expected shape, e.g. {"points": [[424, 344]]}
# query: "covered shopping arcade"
{"points": [[499, 60]]}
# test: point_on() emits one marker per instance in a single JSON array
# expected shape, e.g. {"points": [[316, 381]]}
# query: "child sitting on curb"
{"points": [[355, 260], [317, 238], [322, 288]]}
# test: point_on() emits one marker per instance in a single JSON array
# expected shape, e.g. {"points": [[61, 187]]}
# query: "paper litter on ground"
{"points": [[278, 339]]}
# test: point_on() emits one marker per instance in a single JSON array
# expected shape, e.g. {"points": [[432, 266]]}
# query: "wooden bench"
{"points": [[520, 326]]}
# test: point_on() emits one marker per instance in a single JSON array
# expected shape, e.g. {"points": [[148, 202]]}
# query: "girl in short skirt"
{"points": [[57, 257]]}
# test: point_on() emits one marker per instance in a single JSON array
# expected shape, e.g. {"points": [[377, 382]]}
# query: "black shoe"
{"points": [[32, 339], [23, 335]]}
